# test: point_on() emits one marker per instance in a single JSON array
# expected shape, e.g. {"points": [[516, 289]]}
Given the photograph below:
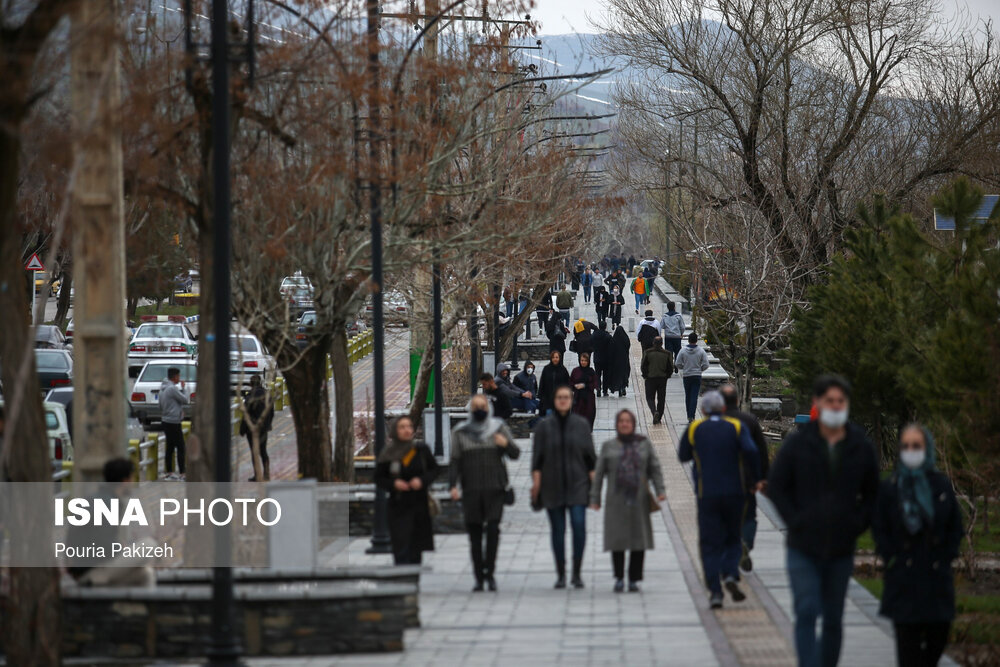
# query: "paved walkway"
{"points": [[669, 623]]}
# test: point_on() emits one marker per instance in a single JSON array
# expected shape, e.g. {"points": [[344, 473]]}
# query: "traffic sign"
{"points": [[34, 264]]}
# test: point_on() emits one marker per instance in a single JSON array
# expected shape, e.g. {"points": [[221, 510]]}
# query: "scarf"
{"points": [[395, 449], [480, 431], [916, 499], [629, 468]]}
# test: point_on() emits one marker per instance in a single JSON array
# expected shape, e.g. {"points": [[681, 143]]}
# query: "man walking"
{"points": [[649, 328], [564, 302], [602, 356], [691, 362], [722, 451], [639, 291], [172, 400], [587, 281], [602, 301], [672, 328], [752, 424], [823, 482], [657, 366], [615, 304]]}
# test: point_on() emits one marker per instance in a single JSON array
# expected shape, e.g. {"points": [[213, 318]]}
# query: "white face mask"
{"points": [[913, 458], [833, 418], [530, 371]]}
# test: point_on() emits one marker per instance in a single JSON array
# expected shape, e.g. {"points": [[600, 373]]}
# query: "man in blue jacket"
{"points": [[722, 450]]}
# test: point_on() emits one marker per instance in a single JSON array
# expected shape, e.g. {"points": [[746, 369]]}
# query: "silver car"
{"points": [[145, 398], [248, 357], [154, 341]]}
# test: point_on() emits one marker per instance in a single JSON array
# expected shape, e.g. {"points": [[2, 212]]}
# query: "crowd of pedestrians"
{"points": [[823, 481]]}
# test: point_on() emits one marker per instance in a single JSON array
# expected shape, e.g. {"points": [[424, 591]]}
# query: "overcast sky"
{"points": [[563, 16]]}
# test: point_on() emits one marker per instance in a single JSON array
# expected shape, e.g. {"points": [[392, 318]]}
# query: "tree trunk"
{"points": [[309, 397], [517, 325], [132, 305], [201, 447], [343, 398], [422, 383], [32, 610], [62, 303]]}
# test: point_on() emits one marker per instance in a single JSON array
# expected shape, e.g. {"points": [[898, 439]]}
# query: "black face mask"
{"points": [[480, 415]]}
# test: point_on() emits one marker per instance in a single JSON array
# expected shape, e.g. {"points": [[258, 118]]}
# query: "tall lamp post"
{"points": [[224, 649], [438, 383], [380, 533]]}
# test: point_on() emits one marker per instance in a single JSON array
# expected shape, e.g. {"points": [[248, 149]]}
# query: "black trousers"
{"points": [[920, 644], [175, 443], [602, 379], [656, 394], [635, 562], [262, 438], [483, 567]]}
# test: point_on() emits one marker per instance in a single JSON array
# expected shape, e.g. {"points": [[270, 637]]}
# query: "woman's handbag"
{"points": [[508, 495], [572, 345], [433, 506], [654, 506]]}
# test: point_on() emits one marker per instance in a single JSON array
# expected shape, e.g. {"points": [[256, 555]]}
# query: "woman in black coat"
{"points": [[405, 470], [918, 529], [556, 330], [553, 376], [618, 366]]}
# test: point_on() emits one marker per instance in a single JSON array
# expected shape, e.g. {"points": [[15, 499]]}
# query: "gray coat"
{"points": [[565, 459], [626, 527], [172, 401]]}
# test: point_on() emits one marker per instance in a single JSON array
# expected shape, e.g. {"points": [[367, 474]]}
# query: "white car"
{"points": [[249, 357], [295, 282], [57, 428], [166, 338], [145, 398]]}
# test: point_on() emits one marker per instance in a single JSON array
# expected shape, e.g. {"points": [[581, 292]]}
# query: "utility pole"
{"points": [[98, 240]]}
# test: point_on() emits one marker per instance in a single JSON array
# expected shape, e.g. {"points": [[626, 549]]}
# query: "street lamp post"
{"points": [[224, 649], [438, 383], [380, 532]]}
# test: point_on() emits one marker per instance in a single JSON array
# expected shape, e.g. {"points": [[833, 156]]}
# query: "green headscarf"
{"points": [[916, 499]]}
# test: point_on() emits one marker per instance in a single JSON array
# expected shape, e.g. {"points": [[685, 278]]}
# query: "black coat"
{"points": [[757, 434], [619, 366], [501, 403], [602, 348], [527, 382], [615, 303], [919, 584], [602, 299], [552, 378], [410, 526], [564, 453], [825, 511], [585, 339]]}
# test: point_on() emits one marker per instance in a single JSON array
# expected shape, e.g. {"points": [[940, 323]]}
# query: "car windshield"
{"points": [[51, 420], [44, 332], [308, 320], [51, 361], [159, 331], [243, 344], [158, 372]]}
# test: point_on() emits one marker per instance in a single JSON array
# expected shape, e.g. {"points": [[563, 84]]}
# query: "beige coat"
{"points": [[626, 527]]}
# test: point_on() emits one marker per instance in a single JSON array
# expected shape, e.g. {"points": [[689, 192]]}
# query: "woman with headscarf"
{"points": [[583, 336], [478, 448], [555, 329], [629, 463], [583, 379], [405, 470], [554, 375], [618, 366], [917, 528]]}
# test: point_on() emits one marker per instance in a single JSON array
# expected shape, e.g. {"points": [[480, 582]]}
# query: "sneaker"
{"points": [[633, 587], [619, 585], [734, 589], [746, 563], [491, 584], [715, 601]]}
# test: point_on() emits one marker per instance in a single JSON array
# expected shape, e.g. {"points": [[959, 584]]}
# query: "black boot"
{"points": [[560, 574], [577, 580]]}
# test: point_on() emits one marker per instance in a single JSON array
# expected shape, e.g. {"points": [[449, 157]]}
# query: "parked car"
{"points": [[166, 338], [54, 367], [58, 432], [249, 357], [49, 336], [356, 327], [145, 397], [296, 281], [69, 331], [64, 396], [300, 301], [42, 278], [304, 328], [395, 309]]}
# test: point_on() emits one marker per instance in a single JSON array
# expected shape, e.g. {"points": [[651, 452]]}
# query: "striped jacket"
{"points": [[479, 464]]}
